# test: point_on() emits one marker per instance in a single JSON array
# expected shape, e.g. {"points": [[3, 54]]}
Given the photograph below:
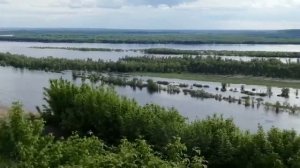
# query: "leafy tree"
{"points": [[24, 145]]}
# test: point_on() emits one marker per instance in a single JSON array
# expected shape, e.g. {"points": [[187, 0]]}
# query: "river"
{"points": [[27, 86], [24, 48]]}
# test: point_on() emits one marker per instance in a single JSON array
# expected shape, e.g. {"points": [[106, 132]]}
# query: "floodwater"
{"points": [[27, 87], [24, 48]]}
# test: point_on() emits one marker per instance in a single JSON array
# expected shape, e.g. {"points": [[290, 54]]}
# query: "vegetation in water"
{"points": [[279, 107], [113, 131], [233, 79], [198, 64], [101, 111], [169, 51], [264, 54], [169, 87], [285, 92], [213, 65]]}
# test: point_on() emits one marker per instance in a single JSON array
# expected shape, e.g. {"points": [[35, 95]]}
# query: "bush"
{"points": [[23, 145]]}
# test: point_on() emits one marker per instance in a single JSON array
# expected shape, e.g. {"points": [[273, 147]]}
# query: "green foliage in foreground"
{"points": [[22, 144], [111, 118]]}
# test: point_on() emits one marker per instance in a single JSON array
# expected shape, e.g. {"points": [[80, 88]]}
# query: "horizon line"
{"points": [[141, 29]]}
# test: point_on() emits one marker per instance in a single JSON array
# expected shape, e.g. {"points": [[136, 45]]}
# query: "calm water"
{"points": [[24, 48], [27, 87], [238, 47]]}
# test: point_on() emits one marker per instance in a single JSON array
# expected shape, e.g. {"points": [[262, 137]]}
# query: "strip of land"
{"points": [[153, 37], [170, 51], [236, 79], [262, 54], [80, 49]]}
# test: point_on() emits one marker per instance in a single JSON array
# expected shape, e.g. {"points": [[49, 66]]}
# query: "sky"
{"points": [[151, 14]]}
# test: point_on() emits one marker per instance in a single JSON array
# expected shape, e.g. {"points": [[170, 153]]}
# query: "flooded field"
{"points": [[27, 86]]}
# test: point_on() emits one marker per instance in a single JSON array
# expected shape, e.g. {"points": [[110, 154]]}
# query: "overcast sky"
{"points": [[152, 14]]}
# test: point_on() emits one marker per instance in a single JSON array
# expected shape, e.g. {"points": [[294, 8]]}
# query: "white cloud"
{"points": [[155, 14], [200, 4], [231, 4], [99, 3], [3, 1]]}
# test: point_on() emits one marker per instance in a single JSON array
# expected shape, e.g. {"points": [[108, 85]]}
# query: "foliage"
{"points": [[112, 131], [211, 65], [264, 54], [285, 92], [110, 117], [24, 145], [221, 142], [50, 63], [197, 64], [155, 36], [152, 86]]}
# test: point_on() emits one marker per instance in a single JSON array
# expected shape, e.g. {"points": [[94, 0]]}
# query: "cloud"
{"points": [[152, 14], [179, 4], [241, 4], [117, 3], [96, 3], [3, 2], [187, 4], [158, 2]]}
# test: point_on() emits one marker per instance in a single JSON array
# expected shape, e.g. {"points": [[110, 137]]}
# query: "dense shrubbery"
{"points": [[133, 136], [22, 144], [108, 116], [197, 64], [112, 118]]}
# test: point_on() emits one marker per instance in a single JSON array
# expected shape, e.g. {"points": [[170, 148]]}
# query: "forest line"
{"points": [[191, 64]]}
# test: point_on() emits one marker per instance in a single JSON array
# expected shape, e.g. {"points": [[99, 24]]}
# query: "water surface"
{"points": [[27, 87], [24, 49]]}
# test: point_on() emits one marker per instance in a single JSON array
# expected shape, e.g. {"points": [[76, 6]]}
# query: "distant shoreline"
{"points": [[152, 36], [6, 35]]}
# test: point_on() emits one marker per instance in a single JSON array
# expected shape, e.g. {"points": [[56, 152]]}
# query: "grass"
{"points": [[249, 80]]}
